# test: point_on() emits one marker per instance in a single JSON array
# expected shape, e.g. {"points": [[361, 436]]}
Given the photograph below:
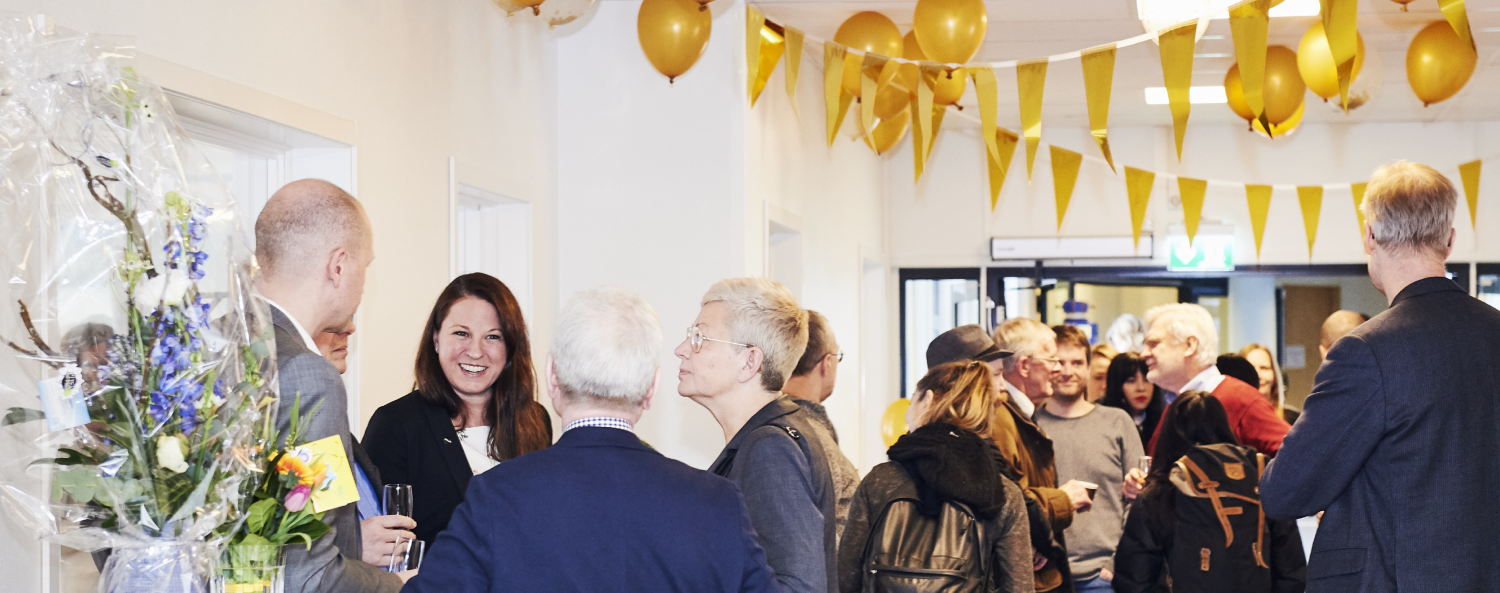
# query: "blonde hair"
{"points": [[764, 314], [1409, 209], [1103, 350], [962, 395], [1278, 393], [1185, 320], [1022, 336]]}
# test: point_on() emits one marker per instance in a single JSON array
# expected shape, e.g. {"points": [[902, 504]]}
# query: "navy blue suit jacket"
{"points": [[598, 511], [1400, 444]]}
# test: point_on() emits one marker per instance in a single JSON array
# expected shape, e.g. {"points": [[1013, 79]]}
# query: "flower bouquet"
{"points": [[281, 513], [128, 313]]}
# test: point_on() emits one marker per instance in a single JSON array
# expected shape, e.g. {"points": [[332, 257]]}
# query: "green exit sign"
{"points": [[1209, 253]]}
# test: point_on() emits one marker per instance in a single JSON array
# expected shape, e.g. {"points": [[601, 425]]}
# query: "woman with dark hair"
{"points": [[474, 405], [1126, 388], [947, 457], [1196, 426]]}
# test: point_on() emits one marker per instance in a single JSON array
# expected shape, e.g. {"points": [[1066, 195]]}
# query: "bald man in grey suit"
{"points": [[313, 243]]}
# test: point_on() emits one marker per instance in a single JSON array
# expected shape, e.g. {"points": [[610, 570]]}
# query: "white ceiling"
{"points": [[1021, 29]]}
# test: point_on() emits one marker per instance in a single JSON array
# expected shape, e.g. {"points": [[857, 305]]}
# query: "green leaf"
{"points": [[22, 415], [260, 513], [314, 530], [252, 539]]}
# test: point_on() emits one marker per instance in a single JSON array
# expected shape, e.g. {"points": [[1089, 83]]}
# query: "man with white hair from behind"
{"points": [[599, 510], [1181, 348]]}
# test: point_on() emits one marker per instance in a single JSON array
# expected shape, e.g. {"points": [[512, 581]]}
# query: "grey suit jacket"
{"points": [[333, 564], [1400, 444]]}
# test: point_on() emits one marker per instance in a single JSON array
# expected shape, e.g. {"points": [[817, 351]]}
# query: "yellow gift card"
{"points": [[337, 487]]}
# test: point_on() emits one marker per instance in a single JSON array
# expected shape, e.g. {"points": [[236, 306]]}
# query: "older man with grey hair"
{"points": [[599, 511], [1398, 441], [1182, 345]]}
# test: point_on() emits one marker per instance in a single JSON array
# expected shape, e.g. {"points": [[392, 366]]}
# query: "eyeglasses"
{"points": [[838, 356], [1048, 361], [695, 337]]}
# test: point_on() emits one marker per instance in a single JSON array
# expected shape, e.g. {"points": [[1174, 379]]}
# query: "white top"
{"points": [[1022, 402], [306, 337], [476, 443]]}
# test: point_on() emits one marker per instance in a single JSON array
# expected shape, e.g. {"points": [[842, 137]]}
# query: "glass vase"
{"points": [[251, 569], [158, 568]]}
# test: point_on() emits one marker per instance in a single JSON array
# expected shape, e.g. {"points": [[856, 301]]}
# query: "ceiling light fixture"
{"points": [[1157, 95]]}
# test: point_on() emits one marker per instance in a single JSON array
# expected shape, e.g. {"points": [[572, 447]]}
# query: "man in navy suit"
{"points": [[599, 511], [1399, 442]]}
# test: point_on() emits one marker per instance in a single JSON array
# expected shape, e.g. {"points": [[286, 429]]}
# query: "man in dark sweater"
{"points": [[810, 385]]}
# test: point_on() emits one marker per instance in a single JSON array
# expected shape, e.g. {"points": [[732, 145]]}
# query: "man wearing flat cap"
{"points": [[1027, 450]]}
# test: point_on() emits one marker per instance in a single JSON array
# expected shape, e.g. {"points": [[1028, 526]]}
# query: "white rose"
{"points": [[168, 286], [171, 453]]}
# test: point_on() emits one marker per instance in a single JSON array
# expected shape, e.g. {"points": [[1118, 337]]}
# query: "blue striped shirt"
{"points": [[600, 422]]}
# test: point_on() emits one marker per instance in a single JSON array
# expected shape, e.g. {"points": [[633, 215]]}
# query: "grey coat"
{"points": [[333, 565], [845, 477], [789, 494]]}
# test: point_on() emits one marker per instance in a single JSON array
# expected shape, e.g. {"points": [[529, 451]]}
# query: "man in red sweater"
{"points": [[1182, 345]]}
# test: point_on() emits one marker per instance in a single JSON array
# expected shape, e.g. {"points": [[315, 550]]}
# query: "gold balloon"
{"points": [[893, 422], [890, 131], [1315, 62], [891, 99], [673, 33], [1282, 129], [1234, 90], [950, 31], [1284, 87], [871, 32], [1438, 63], [947, 88]]}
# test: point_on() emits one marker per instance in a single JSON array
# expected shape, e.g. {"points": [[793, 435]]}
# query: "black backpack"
{"points": [[1220, 534], [909, 552]]}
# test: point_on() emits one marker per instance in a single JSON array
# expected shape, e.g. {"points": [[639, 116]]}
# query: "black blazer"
{"points": [[1400, 444], [412, 441]]}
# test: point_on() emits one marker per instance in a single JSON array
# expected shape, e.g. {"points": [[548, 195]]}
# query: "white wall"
{"points": [[423, 80], [943, 221]]}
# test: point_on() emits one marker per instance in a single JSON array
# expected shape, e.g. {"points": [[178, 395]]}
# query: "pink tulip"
{"points": [[298, 498]]}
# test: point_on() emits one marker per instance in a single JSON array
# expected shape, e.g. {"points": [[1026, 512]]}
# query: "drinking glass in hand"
{"points": [[408, 555], [1146, 464], [398, 500]]}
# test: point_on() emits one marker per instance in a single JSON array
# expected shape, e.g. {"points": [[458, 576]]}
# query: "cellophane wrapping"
{"points": [[125, 262]]}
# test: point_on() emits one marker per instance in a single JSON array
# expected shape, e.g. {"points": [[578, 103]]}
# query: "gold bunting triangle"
{"points": [[1250, 24], [921, 126], [1358, 189], [772, 44], [1192, 191], [871, 72], [1458, 18], [938, 111], [1065, 165], [985, 90], [754, 20], [793, 65], [1310, 197], [1469, 173], [1031, 78], [1098, 81], [1339, 22], [918, 145], [1259, 198], [1138, 185], [1177, 72], [834, 96], [998, 170]]}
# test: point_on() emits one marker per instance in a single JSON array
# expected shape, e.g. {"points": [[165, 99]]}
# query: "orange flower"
{"points": [[290, 464]]}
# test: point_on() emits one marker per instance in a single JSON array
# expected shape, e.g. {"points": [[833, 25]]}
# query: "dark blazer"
{"points": [[789, 493], [333, 565], [599, 511], [1400, 444], [412, 441]]}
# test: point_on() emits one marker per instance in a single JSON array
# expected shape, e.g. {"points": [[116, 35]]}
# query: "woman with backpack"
{"points": [[1198, 526], [941, 515]]}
